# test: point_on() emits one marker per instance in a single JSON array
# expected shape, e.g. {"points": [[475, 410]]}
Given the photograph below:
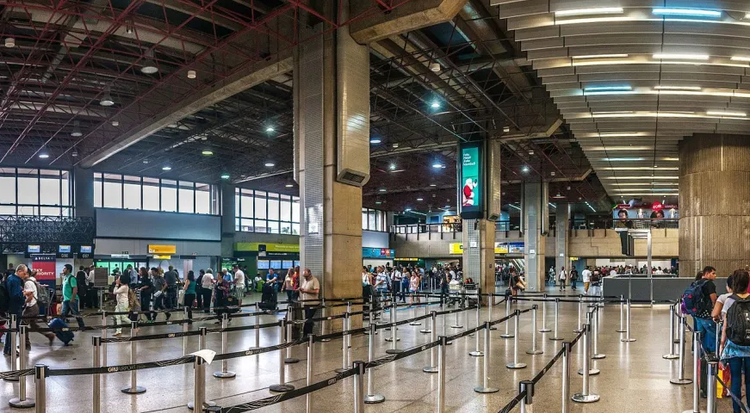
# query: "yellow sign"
{"points": [[162, 257], [501, 248], [406, 259], [456, 248], [162, 249], [253, 246]]}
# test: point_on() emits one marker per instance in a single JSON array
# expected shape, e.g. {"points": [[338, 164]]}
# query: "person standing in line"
{"points": [[91, 295], [735, 347], [573, 278], [123, 305], [239, 284], [563, 276], [16, 299], [199, 289], [273, 279], [146, 289], [309, 289], [189, 297], [70, 295], [414, 283], [207, 282], [31, 307], [586, 273], [171, 277], [288, 285], [160, 295], [82, 287], [703, 321], [398, 277]]}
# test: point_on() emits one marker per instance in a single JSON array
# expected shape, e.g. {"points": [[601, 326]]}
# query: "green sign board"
{"points": [[471, 187]]}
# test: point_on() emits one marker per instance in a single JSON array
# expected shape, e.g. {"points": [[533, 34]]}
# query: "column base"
{"points": [[556, 338], [599, 356], [457, 326], [694, 411], [545, 330], [390, 339], [534, 352], [430, 370], [620, 331], [627, 340], [485, 390], [207, 406], [224, 374], [281, 388], [21, 404], [476, 353], [589, 398], [374, 398], [681, 382], [516, 366], [425, 331], [326, 340], [506, 336], [415, 323], [133, 390], [592, 372]]}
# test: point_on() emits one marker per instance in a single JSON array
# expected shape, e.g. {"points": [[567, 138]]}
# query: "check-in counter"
{"points": [[665, 288]]}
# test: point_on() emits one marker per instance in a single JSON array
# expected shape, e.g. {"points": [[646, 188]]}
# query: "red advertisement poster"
{"points": [[44, 265]]}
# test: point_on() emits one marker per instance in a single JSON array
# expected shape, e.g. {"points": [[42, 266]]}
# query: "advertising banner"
{"points": [[44, 265], [471, 185]]}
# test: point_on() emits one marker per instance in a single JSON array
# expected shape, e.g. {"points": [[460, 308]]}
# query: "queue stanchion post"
{"points": [[578, 328], [596, 355], [555, 336], [40, 385], [283, 386], [672, 353], [544, 328], [22, 402], [516, 365], [224, 373], [713, 364], [593, 371], [199, 387], [440, 407], [324, 324], [344, 346], [534, 348], [527, 402], [428, 325], [628, 338], [491, 303], [586, 396], [359, 387], [394, 333], [257, 327], [134, 388], [202, 338], [696, 372], [184, 330], [622, 315], [456, 322], [13, 347], [445, 323], [432, 368], [680, 380], [96, 378], [565, 401], [477, 351], [309, 372], [104, 337], [290, 323], [485, 386], [417, 322], [371, 397], [392, 315], [507, 314]]}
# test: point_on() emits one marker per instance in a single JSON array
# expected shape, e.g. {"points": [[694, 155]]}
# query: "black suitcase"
{"points": [[65, 336], [268, 299]]}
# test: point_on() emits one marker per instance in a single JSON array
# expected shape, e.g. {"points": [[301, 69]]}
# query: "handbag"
{"points": [[181, 298]]}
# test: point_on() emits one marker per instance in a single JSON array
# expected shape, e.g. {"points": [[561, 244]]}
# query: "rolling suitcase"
{"points": [[268, 299], [65, 336]]}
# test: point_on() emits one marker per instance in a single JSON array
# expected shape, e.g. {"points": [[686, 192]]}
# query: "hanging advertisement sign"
{"points": [[44, 265], [471, 185]]}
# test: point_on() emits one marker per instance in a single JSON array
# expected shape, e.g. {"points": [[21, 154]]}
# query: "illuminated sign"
{"points": [[501, 248], [63, 249], [254, 246], [471, 185], [378, 253], [86, 249], [162, 249], [455, 248], [162, 257], [34, 249]]}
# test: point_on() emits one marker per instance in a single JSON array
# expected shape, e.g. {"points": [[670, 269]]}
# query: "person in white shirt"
{"points": [[612, 272], [239, 283], [31, 307], [207, 282], [123, 305], [586, 274], [309, 288], [563, 276]]}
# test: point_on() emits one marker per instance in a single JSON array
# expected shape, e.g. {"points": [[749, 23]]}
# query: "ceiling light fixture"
{"points": [[148, 65], [43, 155], [381, 190], [289, 186], [619, 148], [740, 58], [115, 123], [106, 99], [166, 168], [662, 87], [585, 12], [10, 42], [224, 176], [192, 74], [437, 165], [608, 88], [506, 129], [435, 104], [378, 202], [206, 152], [680, 56], [601, 56], [722, 113], [392, 167], [270, 129], [525, 169], [659, 11], [420, 199], [375, 141], [76, 129], [270, 164], [435, 67], [623, 159], [433, 185], [621, 134]]}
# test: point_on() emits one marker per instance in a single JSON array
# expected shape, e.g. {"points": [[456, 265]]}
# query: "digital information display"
{"points": [[471, 186], [63, 249], [86, 249]]}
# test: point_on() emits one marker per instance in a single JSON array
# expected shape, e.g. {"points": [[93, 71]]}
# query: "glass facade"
{"points": [[154, 194], [373, 220], [40, 192], [267, 212]]}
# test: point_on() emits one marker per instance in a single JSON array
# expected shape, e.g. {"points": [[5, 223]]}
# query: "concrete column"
{"points": [[83, 192], [479, 252], [562, 213], [227, 219], [327, 116], [535, 211], [714, 203]]}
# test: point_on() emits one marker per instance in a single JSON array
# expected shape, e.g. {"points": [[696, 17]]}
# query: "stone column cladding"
{"points": [[714, 200], [83, 191], [228, 214], [562, 216], [535, 210], [479, 253]]}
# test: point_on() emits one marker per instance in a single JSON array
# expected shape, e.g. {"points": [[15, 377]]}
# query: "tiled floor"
{"points": [[633, 377]]}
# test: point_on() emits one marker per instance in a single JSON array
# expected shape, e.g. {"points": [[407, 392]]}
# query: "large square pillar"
{"points": [[562, 223], [535, 210], [479, 252]]}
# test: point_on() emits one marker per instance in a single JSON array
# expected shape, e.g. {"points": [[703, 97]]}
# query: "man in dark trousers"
{"points": [[14, 286], [82, 287]]}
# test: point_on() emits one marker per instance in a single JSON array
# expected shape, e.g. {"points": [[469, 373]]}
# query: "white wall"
{"points": [[123, 223], [375, 239]]}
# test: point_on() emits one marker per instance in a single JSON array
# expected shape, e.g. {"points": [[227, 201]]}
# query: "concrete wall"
{"points": [[123, 223], [105, 246]]}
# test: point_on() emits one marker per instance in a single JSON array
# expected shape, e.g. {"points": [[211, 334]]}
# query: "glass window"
{"points": [[260, 204], [112, 191], [168, 195], [273, 227], [28, 187], [202, 198], [151, 194], [131, 192], [259, 211], [65, 187], [295, 209], [273, 206], [186, 197], [7, 188], [98, 184], [49, 188], [286, 208]]}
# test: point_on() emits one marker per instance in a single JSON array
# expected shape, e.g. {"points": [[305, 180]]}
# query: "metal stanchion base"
{"points": [[627, 340], [516, 366], [224, 374], [670, 356], [556, 338], [493, 328], [681, 382], [21, 404], [291, 360], [476, 353], [374, 398], [485, 390], [415, 323], [133, 390], [457, 326], [11, 379], [507, 336], [676, 341], [545, 330], [425, 331], [579, 398], [534, 352], [694, 411], [430, 370], [394, 351], [599, 356], [207, 406], [281, 388], [620, 331], [577, 330], [325, 340], [341, 370], [592, 372], [390, 339]]}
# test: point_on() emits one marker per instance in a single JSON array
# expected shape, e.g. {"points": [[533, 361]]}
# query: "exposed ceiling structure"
{"points": [[633, 77], [204, 88]]}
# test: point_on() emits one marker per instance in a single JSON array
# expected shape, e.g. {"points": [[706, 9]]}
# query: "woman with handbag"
{"points": [[146, 289], [189, 294]]}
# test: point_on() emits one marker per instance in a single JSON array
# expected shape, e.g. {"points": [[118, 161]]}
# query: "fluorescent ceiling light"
{"points": [[740, 58], [513, 206], [623, 159], [437, 165], [433, 185], [585, 12], [680, 56], [643, 183], [638, 168], [662, 87], [601, 56], [289, 186], [207, 152], [375, 141], [659, 11], [593, 20], [722, 113], [619, 148], [607, 88], [224, 176], [621, 134], [382, 190], [670, 159], [645, 193], [640, 177], [420, 199], [270, 164], [43, 156], [166, 168]]}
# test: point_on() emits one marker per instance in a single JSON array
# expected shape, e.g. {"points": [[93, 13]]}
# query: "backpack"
{"points": [[694, 302], [738, 321], [4, 297], [43, 297]]}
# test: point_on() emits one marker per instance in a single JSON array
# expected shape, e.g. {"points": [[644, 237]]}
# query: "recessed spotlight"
{"points": [[378, 202], [435, 104], [74, 153], [192, 74], [375, 141], [289, 186], [433, 185], [420, 199], [395, 145], [115, 123], [381, 190], [552, 173], [270, 164], [525, 169], [506, 129], [207, 152], [166, 168], [270, 129], [392, 167], [43, 155], [437, 165], [224, 176], [145, 161]]}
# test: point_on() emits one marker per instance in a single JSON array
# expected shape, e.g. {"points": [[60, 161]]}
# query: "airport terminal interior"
{"points": [[374, 206]]}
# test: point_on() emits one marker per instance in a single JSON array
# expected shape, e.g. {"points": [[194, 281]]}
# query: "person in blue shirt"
{"points": [[16, 299], [273, 278]]}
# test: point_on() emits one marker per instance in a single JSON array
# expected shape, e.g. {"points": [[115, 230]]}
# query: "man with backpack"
{"points": [[36, 295], [70, 295], [12, 300], [698, 301]]}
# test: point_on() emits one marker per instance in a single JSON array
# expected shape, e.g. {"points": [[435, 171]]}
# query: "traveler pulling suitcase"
{"points": [[65, 336], [268, 299]]}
